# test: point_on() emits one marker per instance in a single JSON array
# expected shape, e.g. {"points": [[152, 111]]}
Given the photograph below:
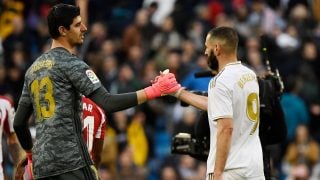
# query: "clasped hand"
{"points": [[163, 84]]}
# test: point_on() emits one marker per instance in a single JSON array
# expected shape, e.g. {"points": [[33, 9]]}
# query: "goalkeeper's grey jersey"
{"points": [[53, 84]]}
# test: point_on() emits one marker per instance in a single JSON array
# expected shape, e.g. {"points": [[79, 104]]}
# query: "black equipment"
{"points": [[198, 146]]}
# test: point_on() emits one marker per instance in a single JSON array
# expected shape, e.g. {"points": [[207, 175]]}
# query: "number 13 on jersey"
{"points": [[44, 102]]}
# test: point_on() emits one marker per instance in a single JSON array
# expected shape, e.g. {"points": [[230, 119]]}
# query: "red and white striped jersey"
{"points": [[93, 121], [6, 122]]}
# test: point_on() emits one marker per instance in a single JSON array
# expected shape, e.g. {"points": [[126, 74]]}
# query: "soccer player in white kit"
{"points": [[6, 126], [233, 111]]}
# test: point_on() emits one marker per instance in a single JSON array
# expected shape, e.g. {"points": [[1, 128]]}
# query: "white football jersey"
{"points": [[234, 93], [6, 123]]}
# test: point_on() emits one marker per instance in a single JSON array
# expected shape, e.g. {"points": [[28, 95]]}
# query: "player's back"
{"points": [[93, 121], [51, 83]]}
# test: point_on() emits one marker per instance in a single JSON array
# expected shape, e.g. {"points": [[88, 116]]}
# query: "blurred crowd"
{"points": [[127, 44]]}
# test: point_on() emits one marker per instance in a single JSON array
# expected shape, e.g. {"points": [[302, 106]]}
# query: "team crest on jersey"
{"points": [[92, 76]]}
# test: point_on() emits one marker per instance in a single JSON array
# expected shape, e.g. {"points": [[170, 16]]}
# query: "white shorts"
{"points": [[233, 175]]}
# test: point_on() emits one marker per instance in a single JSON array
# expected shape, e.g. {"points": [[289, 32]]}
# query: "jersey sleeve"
{"points": [[81, 76], [102, 126], [221, 100], [8, 115], [25, 96]]}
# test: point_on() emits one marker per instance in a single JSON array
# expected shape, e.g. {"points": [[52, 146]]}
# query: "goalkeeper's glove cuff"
{"points": [[152, 92], [29, 166]]}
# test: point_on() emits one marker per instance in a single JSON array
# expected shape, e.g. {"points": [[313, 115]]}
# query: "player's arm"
{"points": [[116, 102], [21, 126], [91, 87], [14, 148], [99, 138], [198, 101], [83, 4], [222, 112], [21, 118], [224, 134], [12, 141], [165, 84], [193, 99], [96, 151]]}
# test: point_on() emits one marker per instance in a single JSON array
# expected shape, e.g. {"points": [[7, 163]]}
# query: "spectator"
{"points": [[302, 152], [169, 173], [168, 37], [294, 108], [108, 71], [127, 169], [197, 83], [188, 121]]}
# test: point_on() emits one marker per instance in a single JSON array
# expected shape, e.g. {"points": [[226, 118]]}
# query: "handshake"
{"points": [[163, 84]]}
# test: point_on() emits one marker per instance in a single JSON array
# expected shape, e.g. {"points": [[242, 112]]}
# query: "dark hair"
{"points": [[61, 15], [227, 34]]}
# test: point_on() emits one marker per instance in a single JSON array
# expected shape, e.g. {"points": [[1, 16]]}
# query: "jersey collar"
{"points": [[233, 63], [229, 64]]}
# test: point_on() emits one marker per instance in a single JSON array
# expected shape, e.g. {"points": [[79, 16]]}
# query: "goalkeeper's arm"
{"points": [[164, 84], [15, 148], [21, 126]]}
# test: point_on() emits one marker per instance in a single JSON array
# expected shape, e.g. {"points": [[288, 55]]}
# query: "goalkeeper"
{"points": [[52, 91]]}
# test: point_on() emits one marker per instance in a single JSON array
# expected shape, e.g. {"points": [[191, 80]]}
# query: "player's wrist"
{"points": [[151, 92], [217, 172], [154, 91], [28, 154], [178, 93]]}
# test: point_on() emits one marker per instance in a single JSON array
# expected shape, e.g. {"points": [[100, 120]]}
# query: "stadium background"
{"points": [[130, 41]]}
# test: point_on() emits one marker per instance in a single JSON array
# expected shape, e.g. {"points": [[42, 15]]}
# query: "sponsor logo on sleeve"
{"points": [[92, 76]]}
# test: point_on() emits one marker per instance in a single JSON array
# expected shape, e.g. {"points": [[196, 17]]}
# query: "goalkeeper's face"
{"points": [[75, 34]]}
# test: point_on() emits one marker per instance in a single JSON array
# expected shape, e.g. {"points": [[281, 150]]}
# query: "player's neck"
{"points": [[61, 43], [226, 59]]}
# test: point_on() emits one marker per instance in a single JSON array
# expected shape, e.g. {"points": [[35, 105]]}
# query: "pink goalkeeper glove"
{"points": [[163, 84]]}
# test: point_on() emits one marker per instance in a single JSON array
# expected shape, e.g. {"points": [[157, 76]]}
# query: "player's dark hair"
{"points": [[61, 15], [227, 34]]}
